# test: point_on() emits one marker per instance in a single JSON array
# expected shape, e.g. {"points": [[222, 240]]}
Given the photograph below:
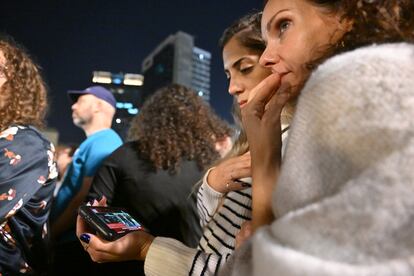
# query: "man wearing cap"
{"points": [[92, 110]]}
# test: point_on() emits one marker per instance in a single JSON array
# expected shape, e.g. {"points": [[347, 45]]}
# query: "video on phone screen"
{"points": [[119, 221]]}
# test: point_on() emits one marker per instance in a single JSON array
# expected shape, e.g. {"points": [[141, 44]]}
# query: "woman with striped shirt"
{"points": [[224, 198]]}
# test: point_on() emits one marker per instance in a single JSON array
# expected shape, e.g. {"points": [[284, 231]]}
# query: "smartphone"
{"points": [[110, 222]]}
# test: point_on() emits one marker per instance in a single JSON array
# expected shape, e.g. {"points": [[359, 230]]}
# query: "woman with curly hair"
{"points": [[341, 203], [174, 139], [175, 125], [224, 197], [27, 169]]}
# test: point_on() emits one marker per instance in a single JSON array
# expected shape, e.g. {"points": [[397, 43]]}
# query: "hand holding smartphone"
{"points": [[111, 223]]}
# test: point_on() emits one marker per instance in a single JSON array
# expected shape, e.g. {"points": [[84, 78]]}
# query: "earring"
{"points": [[340, 44]]}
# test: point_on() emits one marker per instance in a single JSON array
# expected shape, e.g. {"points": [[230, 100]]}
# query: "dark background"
{"points": [[70, 39]]}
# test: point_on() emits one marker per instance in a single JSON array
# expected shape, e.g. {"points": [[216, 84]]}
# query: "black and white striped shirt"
{"points": [[221, 225]]}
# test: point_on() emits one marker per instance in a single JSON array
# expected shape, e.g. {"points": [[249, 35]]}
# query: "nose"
{"points": [[73, 107], [269, 58], [235, 87]]}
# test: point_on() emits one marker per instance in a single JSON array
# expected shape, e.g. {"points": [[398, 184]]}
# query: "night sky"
{"points": [[70, 39]]}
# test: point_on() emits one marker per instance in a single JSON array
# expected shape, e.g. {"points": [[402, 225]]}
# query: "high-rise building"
{"points": [[177, 60], [127, 90]]}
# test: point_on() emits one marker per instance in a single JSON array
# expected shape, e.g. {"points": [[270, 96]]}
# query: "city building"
{"points": [[177, 60], [127, 90]]}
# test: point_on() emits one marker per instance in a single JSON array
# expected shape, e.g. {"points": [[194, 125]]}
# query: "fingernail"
{"points": [[244, 184], [90, 202], [85, 238]]}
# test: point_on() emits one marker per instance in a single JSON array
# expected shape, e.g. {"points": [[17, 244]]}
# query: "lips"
{"points": [[242, 103], [280, 71]]}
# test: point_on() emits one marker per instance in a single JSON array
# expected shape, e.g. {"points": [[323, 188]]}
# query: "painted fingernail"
{"points": [[244, 184], [85, 238]]}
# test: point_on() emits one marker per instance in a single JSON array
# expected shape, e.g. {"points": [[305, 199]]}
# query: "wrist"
{"points": [[145, 248], [212, 180], [271, 158], [265, 173], [262, 213]]}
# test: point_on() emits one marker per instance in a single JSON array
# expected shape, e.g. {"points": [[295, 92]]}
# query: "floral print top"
{"points": [[27, 179]]}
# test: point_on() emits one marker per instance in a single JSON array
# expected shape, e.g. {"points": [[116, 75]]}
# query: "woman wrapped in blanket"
{"points": [[342, 201]]}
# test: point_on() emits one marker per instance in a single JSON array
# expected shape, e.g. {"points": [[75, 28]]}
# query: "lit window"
{"points": [[133, 111]]}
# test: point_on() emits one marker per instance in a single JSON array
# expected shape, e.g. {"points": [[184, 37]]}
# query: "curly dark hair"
{"points": [[25, 92], [373, 21], [175, 124]]}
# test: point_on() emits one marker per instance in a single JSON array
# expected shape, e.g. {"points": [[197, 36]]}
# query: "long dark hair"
{"points": [[373, 21], [247, 32]]}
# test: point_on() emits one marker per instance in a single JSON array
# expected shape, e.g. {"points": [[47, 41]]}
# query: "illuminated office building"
{"points": [[127, 90], [177, 60]]}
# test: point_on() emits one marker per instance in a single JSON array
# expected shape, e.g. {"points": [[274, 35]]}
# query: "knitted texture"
{"points": [[345, 199]]}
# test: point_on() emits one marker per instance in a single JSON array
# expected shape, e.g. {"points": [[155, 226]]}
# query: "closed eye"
{"points": [[246, 70]]}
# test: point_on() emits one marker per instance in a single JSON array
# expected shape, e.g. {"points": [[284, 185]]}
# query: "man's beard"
{"points": [[77, 121]]}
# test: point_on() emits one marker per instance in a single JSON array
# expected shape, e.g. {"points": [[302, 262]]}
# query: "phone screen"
{"points": [[117, 220]]}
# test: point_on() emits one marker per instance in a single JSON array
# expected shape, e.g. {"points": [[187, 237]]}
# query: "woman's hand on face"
{"points": [[262, 124], [225, 176], [261, 119]]}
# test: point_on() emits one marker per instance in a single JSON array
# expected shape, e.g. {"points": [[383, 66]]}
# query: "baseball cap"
{"points": [[98, 91]]}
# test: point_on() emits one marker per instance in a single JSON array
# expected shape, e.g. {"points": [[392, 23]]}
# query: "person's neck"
{"points": [[95, 127]]}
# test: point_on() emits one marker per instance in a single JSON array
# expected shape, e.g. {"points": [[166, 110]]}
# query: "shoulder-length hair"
{"points": [[247, 32], [174, 125]]}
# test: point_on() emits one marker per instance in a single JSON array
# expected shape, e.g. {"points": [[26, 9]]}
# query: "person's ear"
{"points": [[223, 145], [96, 106], [346, 25]]}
